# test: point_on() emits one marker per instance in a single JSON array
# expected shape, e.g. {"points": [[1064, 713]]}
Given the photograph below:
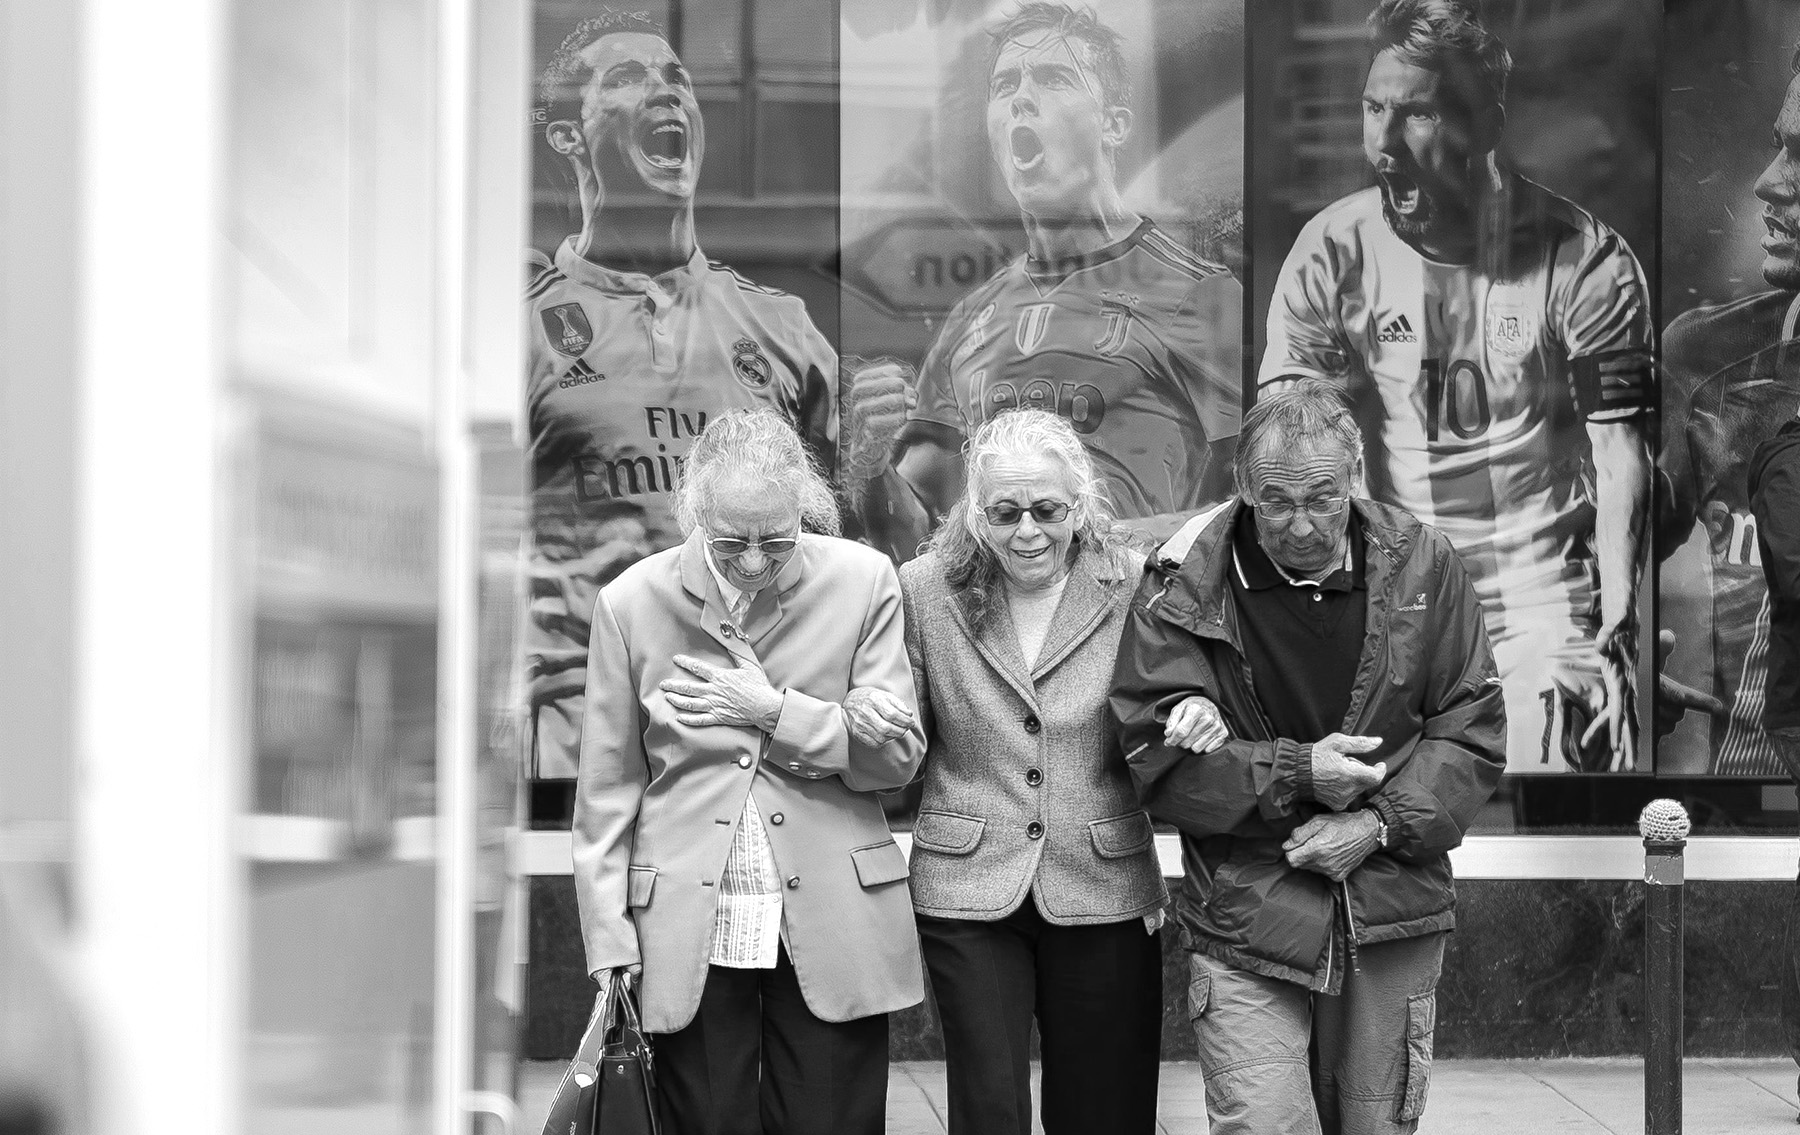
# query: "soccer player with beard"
{"points": [[1741, 361], [1104, 321], [633, 347], [1495, 338]]}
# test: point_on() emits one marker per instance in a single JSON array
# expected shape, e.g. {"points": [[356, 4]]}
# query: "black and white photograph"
{"points": [[900, 567], [1451, 225], [1042, 208]]}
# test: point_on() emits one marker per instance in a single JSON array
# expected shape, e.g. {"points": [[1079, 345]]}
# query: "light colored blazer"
{"points": [[657, 802], [1010, 746]]}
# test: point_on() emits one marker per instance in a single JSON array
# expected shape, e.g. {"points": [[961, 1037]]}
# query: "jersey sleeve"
{"points": [[1304, 337], [816, 410], [1606, 331], [936, 393], [1206, 344]]}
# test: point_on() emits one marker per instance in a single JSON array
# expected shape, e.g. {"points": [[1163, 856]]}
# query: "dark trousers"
{"points": [[755, 1061], [1097, 994]]}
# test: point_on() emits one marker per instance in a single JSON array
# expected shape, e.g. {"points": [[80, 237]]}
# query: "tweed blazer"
{"points": [[657, 802], [1026, 790]]}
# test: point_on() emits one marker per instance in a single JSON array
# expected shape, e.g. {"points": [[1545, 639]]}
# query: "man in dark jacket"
{"points": [[1346, 651], [1774, 479]]}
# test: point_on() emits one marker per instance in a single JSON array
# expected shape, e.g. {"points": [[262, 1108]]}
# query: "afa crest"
{"points": [[1511, 330], [752, 366], [568, 329]]}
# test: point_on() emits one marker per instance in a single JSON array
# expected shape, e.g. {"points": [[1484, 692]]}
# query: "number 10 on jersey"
{"points": [[1456, 399]]}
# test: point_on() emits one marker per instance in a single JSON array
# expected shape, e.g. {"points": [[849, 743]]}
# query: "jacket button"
{"points": [[744, 761], [777, 818], [1034, 830], [1032, 724], [793, 882], [1034, 777]]}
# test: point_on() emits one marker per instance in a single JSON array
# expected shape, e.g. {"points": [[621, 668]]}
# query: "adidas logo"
{"points": [[1399, 331], [579, 375]]}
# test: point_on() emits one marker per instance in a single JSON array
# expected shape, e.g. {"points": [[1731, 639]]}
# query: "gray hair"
{"points": [[1310, 411], [970, 563], [754, 447]]}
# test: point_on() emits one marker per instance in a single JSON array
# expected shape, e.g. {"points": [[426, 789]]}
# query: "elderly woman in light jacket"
{"points": [[1034, 875], [748, 695]]}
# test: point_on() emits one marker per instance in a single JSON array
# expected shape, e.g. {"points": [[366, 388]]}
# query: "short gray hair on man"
{"points": [[759, 448], [970, 563], [1310, 411]]}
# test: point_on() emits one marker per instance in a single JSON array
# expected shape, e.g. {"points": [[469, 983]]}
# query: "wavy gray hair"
{"points": [[970, 562], [1310, 411], [760, 448]]}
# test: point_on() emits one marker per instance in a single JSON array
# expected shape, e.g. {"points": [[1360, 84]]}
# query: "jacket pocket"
{"points": [[1122, 835], [1421, 1021], [641, 885], [879, 863], [948, 833]]}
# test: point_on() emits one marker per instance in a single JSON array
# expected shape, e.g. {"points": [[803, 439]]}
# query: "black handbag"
{"points": [[610, 1087]]}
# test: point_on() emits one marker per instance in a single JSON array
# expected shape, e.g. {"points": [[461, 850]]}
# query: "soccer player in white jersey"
{"points": [[633, 345], [1105, 320], [1496, 340]]}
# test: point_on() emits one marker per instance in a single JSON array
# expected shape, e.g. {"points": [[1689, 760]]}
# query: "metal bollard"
{"points": [[1664, 826]]}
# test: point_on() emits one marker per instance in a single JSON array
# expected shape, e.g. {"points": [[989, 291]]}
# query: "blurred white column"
{"points": [[157, 737]]}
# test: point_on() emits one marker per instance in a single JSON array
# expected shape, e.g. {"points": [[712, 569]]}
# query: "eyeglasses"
{"points": [[731, 546], [1319, 508], [1006, 513]]}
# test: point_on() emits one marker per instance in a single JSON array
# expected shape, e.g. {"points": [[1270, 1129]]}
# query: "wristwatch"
{"points": [[1380, 832]]}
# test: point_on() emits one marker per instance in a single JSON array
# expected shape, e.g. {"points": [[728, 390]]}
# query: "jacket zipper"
{"points": [[1349, 926]]}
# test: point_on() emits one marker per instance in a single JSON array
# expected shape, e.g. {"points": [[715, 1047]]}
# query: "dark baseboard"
{"points": [[1537, 968]]}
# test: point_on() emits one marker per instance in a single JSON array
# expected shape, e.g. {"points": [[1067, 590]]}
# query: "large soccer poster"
{"points": [[1731, 374], [1453, 222], [684, 196], [1042, 206]]}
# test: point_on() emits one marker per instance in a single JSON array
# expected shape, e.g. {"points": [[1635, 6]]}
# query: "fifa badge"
{"points": [[568, 329]]}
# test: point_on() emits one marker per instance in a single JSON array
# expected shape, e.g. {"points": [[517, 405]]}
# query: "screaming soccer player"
{"points": [[1105, 321], [1495, 340], [633, 346], [1741, 360]]}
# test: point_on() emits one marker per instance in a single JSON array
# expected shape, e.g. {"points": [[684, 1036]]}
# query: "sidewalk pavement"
{"points": [[1468, 1097]]}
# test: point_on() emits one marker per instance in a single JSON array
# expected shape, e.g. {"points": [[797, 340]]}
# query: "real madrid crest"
{"points": [[751, 364]]}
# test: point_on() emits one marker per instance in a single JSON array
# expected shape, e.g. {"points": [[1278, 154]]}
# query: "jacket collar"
{"points": [[766, 610], [1193, 563], [1078, 615]]}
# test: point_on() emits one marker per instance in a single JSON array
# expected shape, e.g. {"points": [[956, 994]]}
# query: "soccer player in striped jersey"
{"points": [[632, 347], [1741, 363], [1105, 320], [1496, 340]]}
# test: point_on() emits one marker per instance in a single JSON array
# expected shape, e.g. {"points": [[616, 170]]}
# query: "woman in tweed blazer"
{"points": [[1034, 876]]}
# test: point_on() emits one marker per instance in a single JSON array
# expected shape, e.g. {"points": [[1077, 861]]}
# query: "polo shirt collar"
{"points": [[584, 271], [1257, 572]]}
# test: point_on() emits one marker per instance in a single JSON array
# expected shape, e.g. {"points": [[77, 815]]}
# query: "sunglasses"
{"points": [[1006, 514], [730, 546]]}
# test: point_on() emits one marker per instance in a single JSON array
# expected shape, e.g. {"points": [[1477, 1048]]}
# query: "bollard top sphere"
{"points": [[1664, 821]]}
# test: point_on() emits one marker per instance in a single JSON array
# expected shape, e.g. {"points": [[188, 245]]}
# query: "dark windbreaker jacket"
{"points": [[1425, 684]]}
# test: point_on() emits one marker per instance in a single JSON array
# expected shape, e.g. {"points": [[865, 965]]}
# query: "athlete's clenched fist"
{"points": [[875, 406]]}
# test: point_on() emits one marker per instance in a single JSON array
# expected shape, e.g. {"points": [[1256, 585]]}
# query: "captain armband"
{"points": [[1615, 386]]}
